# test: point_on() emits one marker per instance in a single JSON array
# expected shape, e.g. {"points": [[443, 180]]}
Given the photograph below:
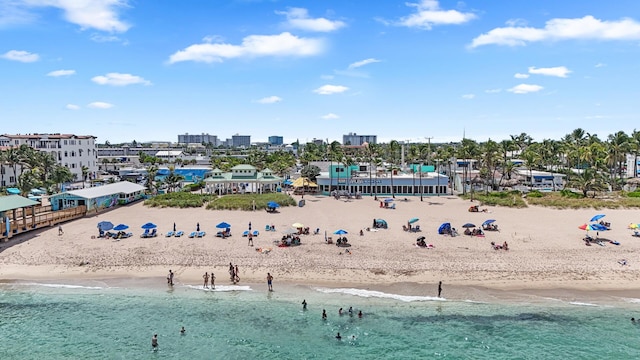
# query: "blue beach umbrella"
{"points": [[149, 226], [488, 222], [468, 225], [121, 227], [413, 220], [340, 232], [223, 225], [597, 217], [273, 204], [105, 225]]}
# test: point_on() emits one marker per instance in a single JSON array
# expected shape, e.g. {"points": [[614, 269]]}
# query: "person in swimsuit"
{"points": [[213, 281], [206, 280], [270, 281], [154, 342]]}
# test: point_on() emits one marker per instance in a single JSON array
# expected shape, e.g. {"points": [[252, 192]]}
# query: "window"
{"points": [[66, 154], [73, 154], [65, 142], [73, 165]]}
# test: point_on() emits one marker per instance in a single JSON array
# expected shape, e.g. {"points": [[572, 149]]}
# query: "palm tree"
{"points": [[334, 153], [531, 159], [372, 151], [60, 175], [618, 146], [588, 180], [3, 161], [394, 146], [172, 180], [634, 144], [152, 171], [13, 159]]}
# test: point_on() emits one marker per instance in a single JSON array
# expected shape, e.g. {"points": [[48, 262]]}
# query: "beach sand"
{"points": [[546, 248]]}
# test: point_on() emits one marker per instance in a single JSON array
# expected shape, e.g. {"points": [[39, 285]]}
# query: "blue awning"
{"points": [[13, 191]]}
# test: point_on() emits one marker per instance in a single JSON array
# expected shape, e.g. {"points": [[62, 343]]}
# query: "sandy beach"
{"points": [[546, 250]]}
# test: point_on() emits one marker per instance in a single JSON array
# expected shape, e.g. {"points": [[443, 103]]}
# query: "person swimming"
{"points": [[183, 330], [338, 336]]}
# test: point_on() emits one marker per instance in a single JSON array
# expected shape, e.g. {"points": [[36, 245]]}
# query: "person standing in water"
{"points": [[304, 304], [206, 280], [170, 278], [213, 281], [324, 314], [154, 342], [270, 281]]}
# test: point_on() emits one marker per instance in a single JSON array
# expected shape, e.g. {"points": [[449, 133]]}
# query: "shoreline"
{"points": [[456, 292]]}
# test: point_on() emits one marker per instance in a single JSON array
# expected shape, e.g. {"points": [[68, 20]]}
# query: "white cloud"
{"points": [[525, 89], [89, 14], [100, 105], [599, 65], [269, 100], [493, 91], [428, 14], [330, 89], [330, 116], [284, 44], [20, 55], [298, 18], [58, 73], [364, 62], [586, 28], [520, 76], [558, 71], [104, 38], [117, 79], [72, 107], [468, 96]]}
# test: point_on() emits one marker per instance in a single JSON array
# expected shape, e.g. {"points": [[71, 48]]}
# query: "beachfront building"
{"points": [[72, 151], [241, 141], [355, 179], [540, 180], [242, 179], [98, 197], [633, 166], [276, 140], [355, 139]]}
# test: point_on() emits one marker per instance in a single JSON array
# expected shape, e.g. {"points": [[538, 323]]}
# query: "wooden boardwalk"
{"points": [[28, 219]]}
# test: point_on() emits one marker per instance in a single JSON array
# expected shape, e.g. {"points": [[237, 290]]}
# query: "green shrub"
{"points": [[535, 194], [179, 199], [571, 194], [635, 194], [246, 201], [502, 198]]}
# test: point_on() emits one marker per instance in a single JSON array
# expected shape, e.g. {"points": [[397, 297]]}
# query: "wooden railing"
{"points": [[42, 219]]}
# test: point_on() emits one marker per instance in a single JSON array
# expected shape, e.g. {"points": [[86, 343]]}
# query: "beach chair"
{"points": [[201, 234], [193, 234], [255, 233], [267, 228], [245, 233], [145, 234], [153, 233], [179, 233], [128, 235], [169, 234], [393, 207]]}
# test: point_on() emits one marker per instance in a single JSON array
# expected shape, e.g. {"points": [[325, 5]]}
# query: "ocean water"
{"points": [[96, 321]]}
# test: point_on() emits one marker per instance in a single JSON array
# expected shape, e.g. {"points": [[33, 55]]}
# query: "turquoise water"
{"points": [[46, 321]]}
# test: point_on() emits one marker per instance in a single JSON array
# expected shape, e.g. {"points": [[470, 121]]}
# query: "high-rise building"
{"points": [[238, 141], [355, 139], [276, 140], [72, 151], [198, 139]]}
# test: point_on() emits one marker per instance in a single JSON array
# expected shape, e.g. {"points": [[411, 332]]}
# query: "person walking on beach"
{"points": [[154, 342], [236, 274], [213, 281], [170, 278], [439, 288], [270, 281], [250, 237], [232, 272], [60, 232], [206, 280]]}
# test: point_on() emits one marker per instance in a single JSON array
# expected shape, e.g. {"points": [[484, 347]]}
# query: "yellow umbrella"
{"points": [[633, 226], [298, 225]]}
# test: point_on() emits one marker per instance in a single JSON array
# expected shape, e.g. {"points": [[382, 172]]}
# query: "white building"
{"points": [[69, 150], [631, 158]]}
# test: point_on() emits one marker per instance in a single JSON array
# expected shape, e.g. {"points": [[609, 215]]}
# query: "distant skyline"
{"points": [[147, 70]]}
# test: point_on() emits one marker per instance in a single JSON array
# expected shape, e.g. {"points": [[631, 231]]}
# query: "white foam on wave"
{"points": [[578, 303], [632, 300], [221, 288], [377, 294], [62, 286]]}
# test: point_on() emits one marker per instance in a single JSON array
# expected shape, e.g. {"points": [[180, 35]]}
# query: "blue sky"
{"points": [[405, 70]]}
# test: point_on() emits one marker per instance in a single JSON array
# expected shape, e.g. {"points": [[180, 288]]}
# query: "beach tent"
{"points": [[381, 222], [491, 221], [444, 228]]}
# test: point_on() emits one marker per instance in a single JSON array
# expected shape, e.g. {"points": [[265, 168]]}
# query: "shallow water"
{"points": [[71, 321]]}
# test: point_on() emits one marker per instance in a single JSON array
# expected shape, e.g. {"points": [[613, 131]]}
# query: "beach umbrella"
{"points": [[121, 227], [298, 225], [413, 220], [290, 231], [223, 225], [388, 200], [588, 227], [340, 232], [149, 226], [273, 204], [634, 226], [105, 225], [491, 221], [468, 225], [597, 217]]}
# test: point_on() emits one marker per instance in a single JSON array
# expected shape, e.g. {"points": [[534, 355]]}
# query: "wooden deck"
{"points": [[39, 217]]}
